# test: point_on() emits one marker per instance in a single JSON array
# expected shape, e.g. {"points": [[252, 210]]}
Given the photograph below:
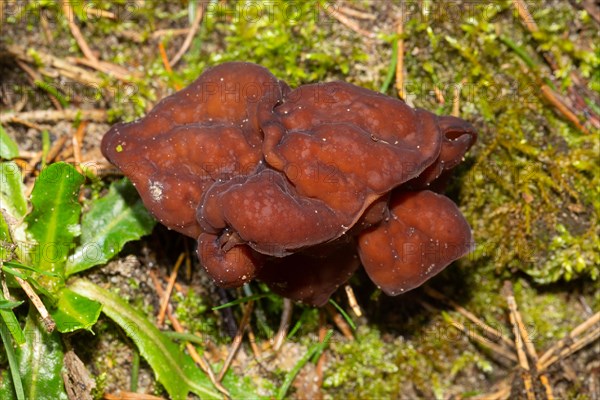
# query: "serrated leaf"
{"points": [[12, 197], [40, 364], [8, 148], [75, 312], [175, 370], [54, 221], [112, 221]]}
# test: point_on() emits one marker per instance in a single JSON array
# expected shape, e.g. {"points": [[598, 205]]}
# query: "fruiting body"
{"points": [[282, 185]]}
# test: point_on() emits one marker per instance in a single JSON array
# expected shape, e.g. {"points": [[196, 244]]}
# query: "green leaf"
{"points": [[40, 363], [9, 305], [5, 241], [8, 148], [112, 221], [12, 197], [11, 267], [54, 221], [75, 312], [13, 365], [344, 314], [10, 319], [174, 369]]}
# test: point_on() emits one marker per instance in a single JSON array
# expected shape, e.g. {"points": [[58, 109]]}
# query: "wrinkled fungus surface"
{"points": [[300, 187]]}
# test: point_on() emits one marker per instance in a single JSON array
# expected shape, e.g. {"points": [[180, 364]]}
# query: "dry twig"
{"points": [[483, 341], [166, 63], [350, 23], [70, 15], [200, 360], [351, 12], [284, 324], [160, 319], [55, 150], [323, 356], [518, 329], [340, 322], [190, 36], [491, 332], [572, 342], [237, 340], [49, 323], [36, 77], [62, 66], [400, 59], [352, 301], [77, 141], [130, 396], [55, 115]]}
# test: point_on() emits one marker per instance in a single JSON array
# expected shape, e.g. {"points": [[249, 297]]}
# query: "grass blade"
{"points": [[313, 351]]}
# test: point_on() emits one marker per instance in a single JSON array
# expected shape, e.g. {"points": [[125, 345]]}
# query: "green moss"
{"points": [[195, 315], [289, 38], [546, 315], [530, 187], [363, 368]]}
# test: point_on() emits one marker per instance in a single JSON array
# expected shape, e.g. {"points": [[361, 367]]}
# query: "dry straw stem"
{"points": [[160, 319], [28, 124], [55, 115], [400, 59], [165, 61], [49, 323], [501, 390], [62, 66], [554, 98], [484, 341], [525, 15], [237, 340], [323, 357], [131, 396], [350, 23], [491, 332], [589, 332], [117, 71], [100, 13], [77, 142], [200, 360], [90, 58], [70, 15], [529, 347], [351, 12], [522, 336], [252, 339], [190, 36], [352, 301], [340, 322], [54, 151], [518, 329], [284, 324], [34, 77]]}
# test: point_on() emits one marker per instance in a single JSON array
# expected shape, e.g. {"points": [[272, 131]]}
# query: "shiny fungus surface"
{"points": [[298, 187]]}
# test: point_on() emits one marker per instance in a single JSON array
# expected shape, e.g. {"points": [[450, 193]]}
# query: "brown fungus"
{"points": [[423, 233], [207, 132], [286, 185]]}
